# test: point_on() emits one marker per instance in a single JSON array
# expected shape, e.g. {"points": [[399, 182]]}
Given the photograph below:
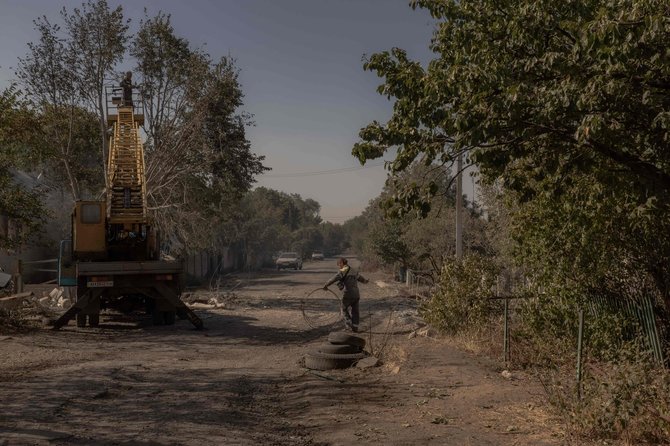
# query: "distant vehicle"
{"points": [[317, 255], [289, 260]]}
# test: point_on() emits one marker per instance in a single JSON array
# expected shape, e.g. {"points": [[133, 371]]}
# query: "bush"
{"points": [[464, 295], [625, 399]]}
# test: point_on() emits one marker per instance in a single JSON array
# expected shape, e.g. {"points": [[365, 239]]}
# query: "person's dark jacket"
{"points": [[127, 86], [347, 280]]}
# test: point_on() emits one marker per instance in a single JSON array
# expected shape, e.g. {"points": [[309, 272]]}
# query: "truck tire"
{"points": [[94, 320], [338, 349], [342, 338], [157, 317], [326, 361], [81, 320], [169, 317]]}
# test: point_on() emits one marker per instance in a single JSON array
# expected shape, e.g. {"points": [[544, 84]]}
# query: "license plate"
{"points": [[101, 284]]}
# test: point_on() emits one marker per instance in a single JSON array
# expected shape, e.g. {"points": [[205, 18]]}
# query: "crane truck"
{"points": [[113, 258]]}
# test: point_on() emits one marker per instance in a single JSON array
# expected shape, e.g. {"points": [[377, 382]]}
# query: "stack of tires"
{"points": [[342, 351]]}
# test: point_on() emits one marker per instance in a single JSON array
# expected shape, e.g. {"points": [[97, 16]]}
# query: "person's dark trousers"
{"points": [[350, 319]]}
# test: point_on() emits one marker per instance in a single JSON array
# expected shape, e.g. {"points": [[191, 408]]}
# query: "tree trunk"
{"points": [[74, 185]]}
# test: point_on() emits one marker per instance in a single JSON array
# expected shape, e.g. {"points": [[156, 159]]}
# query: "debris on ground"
{"points": [[206, 300], [406, 321], [15, 301], [368, 362], [27, 308]]}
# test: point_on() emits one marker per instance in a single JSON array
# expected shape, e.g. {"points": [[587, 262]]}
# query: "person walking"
{"points": [[347, 280]]}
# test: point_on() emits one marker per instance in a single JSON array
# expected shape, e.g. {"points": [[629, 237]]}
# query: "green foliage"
{"points": [[623, 399], [270, 221], [464, 293], [21, 204], [199, 161], [385, 241], [63, 75], [564, 104], [563, 108], [391, 233]]}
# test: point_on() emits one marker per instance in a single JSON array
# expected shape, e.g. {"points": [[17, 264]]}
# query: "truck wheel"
{"points": [[157, 317], [169, 317], [94, 320], [81, 320]]}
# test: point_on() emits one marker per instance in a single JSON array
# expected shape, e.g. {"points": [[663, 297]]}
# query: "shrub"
{"points": [[625, 399], [464, 293]]}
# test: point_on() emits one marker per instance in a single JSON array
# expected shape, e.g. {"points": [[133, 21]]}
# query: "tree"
{"points": [[96, 43], [199, 162], [67, 131], [564, 103], [388, 233], [22, 206]]}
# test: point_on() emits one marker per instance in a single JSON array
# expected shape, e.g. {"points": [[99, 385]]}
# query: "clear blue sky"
{"points": [[301, 72]]}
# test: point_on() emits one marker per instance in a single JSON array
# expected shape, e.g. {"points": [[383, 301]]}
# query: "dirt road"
{"points": [[240, 381]]}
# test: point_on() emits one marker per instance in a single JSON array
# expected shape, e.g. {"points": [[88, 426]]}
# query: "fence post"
{"points": [[580, 335], [506, 332]]}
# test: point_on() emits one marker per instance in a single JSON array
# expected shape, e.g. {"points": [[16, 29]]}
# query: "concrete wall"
{"points": [[205, 263]]}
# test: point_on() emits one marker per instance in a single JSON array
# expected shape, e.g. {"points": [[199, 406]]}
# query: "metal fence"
{"points": [[640, 313], [420, 283]]}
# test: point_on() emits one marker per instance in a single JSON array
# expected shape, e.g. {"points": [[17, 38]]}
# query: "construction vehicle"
{"points": [[114, 257]]}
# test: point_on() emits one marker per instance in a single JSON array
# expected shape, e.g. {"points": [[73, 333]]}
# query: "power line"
{"points": [[323, 172]]}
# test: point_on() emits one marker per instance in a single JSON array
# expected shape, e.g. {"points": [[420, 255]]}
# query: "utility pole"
{"points": [[459, 206]]}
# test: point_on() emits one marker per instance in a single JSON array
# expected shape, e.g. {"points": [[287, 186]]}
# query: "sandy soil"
{"points": [[240, 381]]}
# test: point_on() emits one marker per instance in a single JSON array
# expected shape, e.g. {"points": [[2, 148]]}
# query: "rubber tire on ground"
{"points": [[326, 361], [169, 317], [81, 320], [342, 338], [94, 320], [338, 349]]}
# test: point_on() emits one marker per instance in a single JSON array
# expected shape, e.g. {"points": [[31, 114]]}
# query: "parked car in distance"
{"points": [[289, 260], [317, 255]]}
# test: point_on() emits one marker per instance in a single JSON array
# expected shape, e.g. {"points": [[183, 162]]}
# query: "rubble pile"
{"points": [[28, 305]]}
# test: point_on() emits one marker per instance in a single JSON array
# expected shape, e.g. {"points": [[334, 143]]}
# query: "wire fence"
{"points": [[641, 315], [420, 283]]}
